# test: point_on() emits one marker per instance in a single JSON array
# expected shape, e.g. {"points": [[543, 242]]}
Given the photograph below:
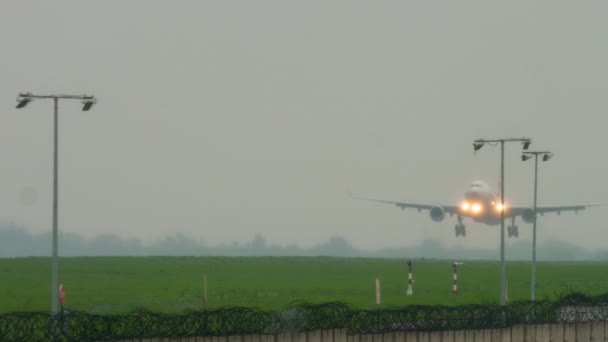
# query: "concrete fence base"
{"points": [[579, 332]]}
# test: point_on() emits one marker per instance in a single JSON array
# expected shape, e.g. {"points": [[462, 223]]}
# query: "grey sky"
{"points": [[223, 119]]}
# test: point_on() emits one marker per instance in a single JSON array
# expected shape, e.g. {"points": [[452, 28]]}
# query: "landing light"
{"points": [[476, 208], [499, 207], [465, 206]]}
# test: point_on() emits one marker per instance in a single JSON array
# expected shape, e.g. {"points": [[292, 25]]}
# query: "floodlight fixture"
{"points": [[525, 157], [23, 100], [547, 156], [477, 145], [87, 104], [526, 144]]}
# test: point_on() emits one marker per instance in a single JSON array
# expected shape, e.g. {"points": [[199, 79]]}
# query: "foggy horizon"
{"points": [[17, 242], [221, 121]]}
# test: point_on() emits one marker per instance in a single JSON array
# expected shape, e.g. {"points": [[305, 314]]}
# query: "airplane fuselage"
{"points": [[481, 204]]}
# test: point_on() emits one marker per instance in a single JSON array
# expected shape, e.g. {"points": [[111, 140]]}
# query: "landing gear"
{"points": [[513, 230], [459, 228]]}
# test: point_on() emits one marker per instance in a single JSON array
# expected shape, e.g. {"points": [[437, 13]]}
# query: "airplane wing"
{"points": [[543, 209], [450, 209]]}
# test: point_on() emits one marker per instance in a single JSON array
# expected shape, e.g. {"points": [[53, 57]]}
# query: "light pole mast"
{"points": [[55, 258], [503, 264], [533, 281], [88, 101], [525, 156], [477, 144]]}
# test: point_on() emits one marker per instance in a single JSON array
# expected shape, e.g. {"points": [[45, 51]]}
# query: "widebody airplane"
{"points": [[482, 205]]}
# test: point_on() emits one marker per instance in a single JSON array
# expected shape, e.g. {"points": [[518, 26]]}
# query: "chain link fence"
{"points": [[296, 317]]}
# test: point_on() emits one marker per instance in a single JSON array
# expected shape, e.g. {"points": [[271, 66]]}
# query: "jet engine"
{"points": [[437, 214], [528, 215]]}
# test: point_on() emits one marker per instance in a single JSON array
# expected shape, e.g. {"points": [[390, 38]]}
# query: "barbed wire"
{"points": [[298, 316]]}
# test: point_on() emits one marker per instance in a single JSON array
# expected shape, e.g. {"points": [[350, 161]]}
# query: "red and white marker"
{"points": [[455, 280], [410, 280], [61, 294]]}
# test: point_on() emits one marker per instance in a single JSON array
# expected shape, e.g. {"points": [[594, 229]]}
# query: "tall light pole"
{"points": [[477, 144], [88, 101], [546, 155]]}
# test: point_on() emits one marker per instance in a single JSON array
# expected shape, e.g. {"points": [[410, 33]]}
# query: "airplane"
{"points": [[483, 206]]}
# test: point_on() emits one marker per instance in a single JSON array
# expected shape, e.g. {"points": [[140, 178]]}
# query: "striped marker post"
{"points": [[455, 279], [378, 299], [410, 280]]}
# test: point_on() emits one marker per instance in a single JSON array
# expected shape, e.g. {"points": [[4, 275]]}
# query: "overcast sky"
{"points": [[224, 119]]}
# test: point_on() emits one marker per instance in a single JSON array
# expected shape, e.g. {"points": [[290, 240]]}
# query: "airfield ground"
{"points": [[173, 284]]}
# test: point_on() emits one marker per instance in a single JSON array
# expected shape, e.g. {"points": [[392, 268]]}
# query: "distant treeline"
{"points": [[15, 241]]}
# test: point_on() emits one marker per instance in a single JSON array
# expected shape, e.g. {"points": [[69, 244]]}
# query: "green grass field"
{"points": [[173, 284]]}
